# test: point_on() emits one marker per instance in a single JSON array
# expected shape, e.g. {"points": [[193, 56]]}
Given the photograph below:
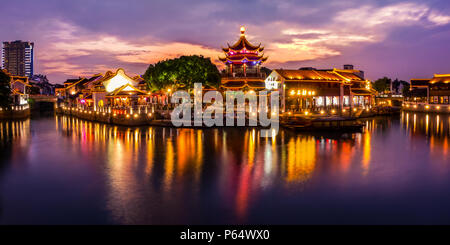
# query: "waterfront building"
{"points": [[429, 94], [73, 86], [433, 91], [19, 85], [113, 91], [243, 65], [419, 90], [19, 88], [440, 89], [18, 58], [120, 91], [309, 89], [72, 90], [59, 91]]}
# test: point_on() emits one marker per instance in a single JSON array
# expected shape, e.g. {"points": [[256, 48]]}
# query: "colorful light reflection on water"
{"points": [[64, 170]]}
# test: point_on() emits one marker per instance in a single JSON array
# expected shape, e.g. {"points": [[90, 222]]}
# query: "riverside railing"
{"points": [[16, 108], [426, 107], [114, 110]]}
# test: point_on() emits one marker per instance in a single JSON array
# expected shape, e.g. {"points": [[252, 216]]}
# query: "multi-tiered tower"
{"points": [[243, 65]]}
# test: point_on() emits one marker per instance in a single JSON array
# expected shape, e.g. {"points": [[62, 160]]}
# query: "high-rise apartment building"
{"points": [[18, 58]]}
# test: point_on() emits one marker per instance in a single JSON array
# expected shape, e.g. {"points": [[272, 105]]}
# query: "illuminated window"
{"points": [[335, 100], [346, 101], [328, 100], [319, 101]]}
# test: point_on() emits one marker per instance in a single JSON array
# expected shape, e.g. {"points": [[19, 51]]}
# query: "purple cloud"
{"points": [[403, 39]]}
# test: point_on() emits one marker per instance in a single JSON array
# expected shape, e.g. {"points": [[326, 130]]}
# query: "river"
{"points": [[63, 170]]}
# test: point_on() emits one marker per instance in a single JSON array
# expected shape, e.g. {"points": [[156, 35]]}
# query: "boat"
{"points": [[323, 124]]}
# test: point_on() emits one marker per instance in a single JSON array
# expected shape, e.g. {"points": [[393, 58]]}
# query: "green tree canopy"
{"points": [[396, 84], [382, 85], [5, 90], [405, 91], [182, 72]]}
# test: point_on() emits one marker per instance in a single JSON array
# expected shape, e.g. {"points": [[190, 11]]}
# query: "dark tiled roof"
{"points": [[308, 75], [420, 82], [94, 77], [243, 43], [349, 75], [440, 79], [72, 80]]}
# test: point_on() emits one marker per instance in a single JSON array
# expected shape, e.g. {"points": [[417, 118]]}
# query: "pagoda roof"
{"points": [[243, 43], [242, 57]]}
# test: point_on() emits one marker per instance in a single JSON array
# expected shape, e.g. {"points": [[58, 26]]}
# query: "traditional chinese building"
{"points": [[309, 90], [431, 91], [20, 88], [243, 65], [112, 91]]}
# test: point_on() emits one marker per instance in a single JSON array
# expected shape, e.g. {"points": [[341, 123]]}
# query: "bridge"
{"points": [[42, 104], [389, 100], [43, 98]]}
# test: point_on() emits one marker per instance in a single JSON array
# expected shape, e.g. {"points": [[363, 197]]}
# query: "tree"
{"points": [[266, 70], [405, 90], [182, 72], [395, 86], [5, 90], [382, 85]]}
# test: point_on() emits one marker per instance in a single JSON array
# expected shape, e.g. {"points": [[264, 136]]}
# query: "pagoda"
{"points": [[243, 65]]}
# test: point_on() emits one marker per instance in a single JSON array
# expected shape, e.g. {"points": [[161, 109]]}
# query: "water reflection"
{"points": [[14, 139], [168, 163], [157, 175], [14, 143], [434, 128], [14, 131]]}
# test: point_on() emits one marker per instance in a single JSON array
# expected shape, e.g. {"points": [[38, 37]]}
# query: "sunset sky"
{"points": [[399, 39]]}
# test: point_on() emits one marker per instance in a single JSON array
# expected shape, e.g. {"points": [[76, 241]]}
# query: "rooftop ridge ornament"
{"points": [[242, 30]]}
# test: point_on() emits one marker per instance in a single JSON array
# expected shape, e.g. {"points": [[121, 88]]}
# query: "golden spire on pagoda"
{"points": [[242, 30]]}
